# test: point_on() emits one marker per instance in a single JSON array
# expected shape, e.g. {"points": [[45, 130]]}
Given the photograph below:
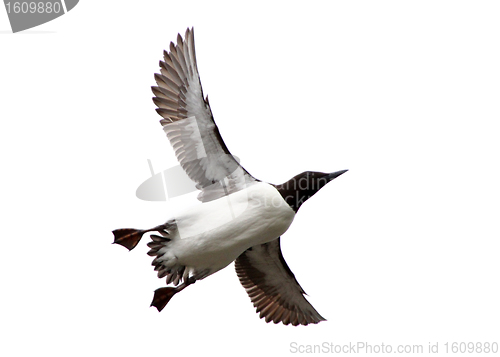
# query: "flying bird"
{"points": [[240, 218]]}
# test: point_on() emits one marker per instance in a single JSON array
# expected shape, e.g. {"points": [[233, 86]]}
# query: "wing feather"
{"points": [[272, 287], [190, 127]]}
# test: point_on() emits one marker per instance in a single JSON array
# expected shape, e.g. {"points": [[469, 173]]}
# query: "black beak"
{"points": [[335, 174]]}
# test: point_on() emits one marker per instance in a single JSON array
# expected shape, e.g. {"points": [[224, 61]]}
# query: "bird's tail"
{"points": [[165, 262]]}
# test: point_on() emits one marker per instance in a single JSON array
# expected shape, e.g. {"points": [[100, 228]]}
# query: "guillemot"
{"points": [[240, 218]]}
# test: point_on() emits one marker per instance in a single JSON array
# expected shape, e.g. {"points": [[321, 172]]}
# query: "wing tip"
{"points": [[293, 318]]}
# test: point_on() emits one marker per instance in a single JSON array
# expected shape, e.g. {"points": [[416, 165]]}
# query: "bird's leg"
{"points": [[163, 295], [130, 237]]}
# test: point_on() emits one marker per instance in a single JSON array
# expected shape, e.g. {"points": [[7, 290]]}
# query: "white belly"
{"points": [[213, 234]]}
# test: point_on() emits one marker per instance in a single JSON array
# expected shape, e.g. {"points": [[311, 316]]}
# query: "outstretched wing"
{"points": [[272, 287], [190, 127]]}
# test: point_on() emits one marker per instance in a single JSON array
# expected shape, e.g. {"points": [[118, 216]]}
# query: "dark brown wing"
{"points": [[272, 287], [190, 127]]}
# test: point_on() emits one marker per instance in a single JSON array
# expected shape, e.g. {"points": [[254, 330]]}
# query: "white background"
{"points": [[402, 249]]}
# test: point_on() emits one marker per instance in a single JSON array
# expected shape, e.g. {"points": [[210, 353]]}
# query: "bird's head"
{"points": [[303, 186]]}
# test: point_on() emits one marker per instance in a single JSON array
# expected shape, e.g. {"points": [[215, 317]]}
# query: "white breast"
{"points": [[212, 234]]}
